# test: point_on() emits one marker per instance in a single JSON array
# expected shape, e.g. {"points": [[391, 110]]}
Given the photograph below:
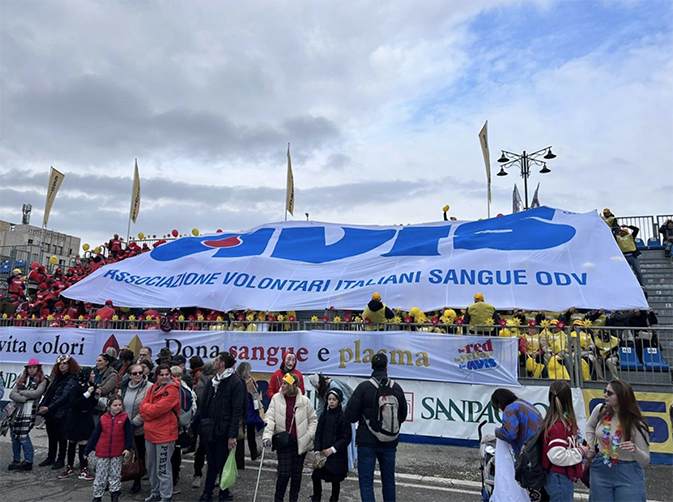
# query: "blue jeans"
{"points": [[559, 487], [27, 446], [367, 456], [623, 482], [635, 266]]}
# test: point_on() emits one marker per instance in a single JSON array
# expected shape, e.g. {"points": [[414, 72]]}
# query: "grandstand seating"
{"points": [[640, 244], [628, 359], [654, 243], [654, 360]]}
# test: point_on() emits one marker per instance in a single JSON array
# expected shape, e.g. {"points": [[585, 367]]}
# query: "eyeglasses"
{"points": [[134, 373], [608, 393]]}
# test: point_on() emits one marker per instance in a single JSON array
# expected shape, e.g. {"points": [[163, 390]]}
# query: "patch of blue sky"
{"points": [[507, 45]]}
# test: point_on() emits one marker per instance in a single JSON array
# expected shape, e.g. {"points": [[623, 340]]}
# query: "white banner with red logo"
{"points": [[543, 258], [415, 356]]}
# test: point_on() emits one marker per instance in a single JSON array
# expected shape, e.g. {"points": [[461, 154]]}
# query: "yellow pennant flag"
{"points": [[55, 180], [289, 203], [483, 141], [135, 195]]}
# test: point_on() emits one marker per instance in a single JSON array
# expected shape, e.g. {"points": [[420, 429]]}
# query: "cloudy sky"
{"points": [[381, 102]]}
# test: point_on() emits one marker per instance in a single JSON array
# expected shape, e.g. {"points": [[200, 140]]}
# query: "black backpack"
{"points": [[528, 469]]}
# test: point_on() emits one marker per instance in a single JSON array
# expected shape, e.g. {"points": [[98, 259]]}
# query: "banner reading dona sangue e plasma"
{"points": [[445, 358], [539, 259]]}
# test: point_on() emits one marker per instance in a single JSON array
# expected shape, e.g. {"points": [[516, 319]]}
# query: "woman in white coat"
{"points": [[290, 413]]}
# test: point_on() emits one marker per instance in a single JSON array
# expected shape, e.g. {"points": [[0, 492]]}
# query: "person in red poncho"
{"points": [[289, 364], [106, 312], [15, 283]]}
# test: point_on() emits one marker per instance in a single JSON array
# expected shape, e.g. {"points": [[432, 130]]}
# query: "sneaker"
{"points": [[85, 475], [196, 482], [176, 490], [14, 465], [58, 465], [153, 498], [25, 466], [69, 471]]}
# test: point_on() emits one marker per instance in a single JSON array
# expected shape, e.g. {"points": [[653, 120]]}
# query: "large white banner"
{"points": [[445, 358], [538, 259]]}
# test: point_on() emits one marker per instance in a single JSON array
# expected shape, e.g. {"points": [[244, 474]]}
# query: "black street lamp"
{"points": [[524, 161]]}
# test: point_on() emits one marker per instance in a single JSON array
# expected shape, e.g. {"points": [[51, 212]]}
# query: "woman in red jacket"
{"points": [[562, 454], [160, 410], [288, 365]]}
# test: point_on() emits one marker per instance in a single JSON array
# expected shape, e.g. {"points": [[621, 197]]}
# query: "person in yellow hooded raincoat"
{"points": [[377, 312]]}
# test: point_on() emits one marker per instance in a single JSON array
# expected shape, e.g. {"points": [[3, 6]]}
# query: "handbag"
{"points": [[134, 469], [184, 437], [314, 460], [207, 429], [8, 415], [282, 440]]}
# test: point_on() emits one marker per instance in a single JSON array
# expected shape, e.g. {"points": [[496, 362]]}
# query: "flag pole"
{"points": [[483, 141], [287, 180], [135, 202]]}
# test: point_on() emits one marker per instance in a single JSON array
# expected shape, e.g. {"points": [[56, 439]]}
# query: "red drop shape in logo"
{"points": [[229, 242]]}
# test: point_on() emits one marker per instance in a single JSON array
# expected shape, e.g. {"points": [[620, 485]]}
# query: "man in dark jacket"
{"points": [[224, 398], [360, 409]]}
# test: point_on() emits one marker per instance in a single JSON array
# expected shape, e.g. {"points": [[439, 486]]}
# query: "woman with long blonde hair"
{"points": [[562, 454]]}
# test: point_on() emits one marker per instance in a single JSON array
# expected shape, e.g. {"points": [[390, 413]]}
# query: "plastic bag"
{"points": [[229, 472]]}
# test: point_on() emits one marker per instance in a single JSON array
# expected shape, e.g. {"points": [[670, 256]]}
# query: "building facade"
{"points": [[20, 245]]}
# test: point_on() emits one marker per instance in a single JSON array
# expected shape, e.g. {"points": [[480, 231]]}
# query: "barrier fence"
{"points": [[583, 356]]}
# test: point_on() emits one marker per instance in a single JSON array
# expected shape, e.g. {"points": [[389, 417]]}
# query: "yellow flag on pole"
{"points": [[55, 180], [483, 141], [289, 196], [135, 195]]}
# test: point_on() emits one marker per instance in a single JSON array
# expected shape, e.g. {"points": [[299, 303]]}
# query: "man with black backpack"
{"points": [[224, 398], [380, 408]]}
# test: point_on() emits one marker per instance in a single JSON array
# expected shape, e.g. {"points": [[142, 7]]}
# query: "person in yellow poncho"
{"points": [[535, 362], [479, 313], [607, 347], [627, 243], [610, 220], [587, 350], [555, 343], [377, 312]]}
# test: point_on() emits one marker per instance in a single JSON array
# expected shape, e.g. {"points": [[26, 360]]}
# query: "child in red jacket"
{"points": [[111, 439]]}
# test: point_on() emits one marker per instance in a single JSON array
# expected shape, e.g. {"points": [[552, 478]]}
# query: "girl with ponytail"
{"points": [[562, 454]]}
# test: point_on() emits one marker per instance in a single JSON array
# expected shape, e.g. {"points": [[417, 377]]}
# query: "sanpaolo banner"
{"points": [[417, 356], [543, 258]]}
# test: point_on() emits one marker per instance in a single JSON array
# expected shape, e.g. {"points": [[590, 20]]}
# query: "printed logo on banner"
{"points": [[410, 406], [530, 230], [477, 356]]}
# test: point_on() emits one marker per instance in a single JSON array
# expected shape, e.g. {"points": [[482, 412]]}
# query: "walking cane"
{"points": [[259, 474]]}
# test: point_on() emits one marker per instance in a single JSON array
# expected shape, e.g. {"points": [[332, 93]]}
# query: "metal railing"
{"points": [[641, 356], [649, 225]]}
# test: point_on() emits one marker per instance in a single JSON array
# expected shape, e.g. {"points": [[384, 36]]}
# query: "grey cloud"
{"points": [[337, 161], [104, 119]]}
